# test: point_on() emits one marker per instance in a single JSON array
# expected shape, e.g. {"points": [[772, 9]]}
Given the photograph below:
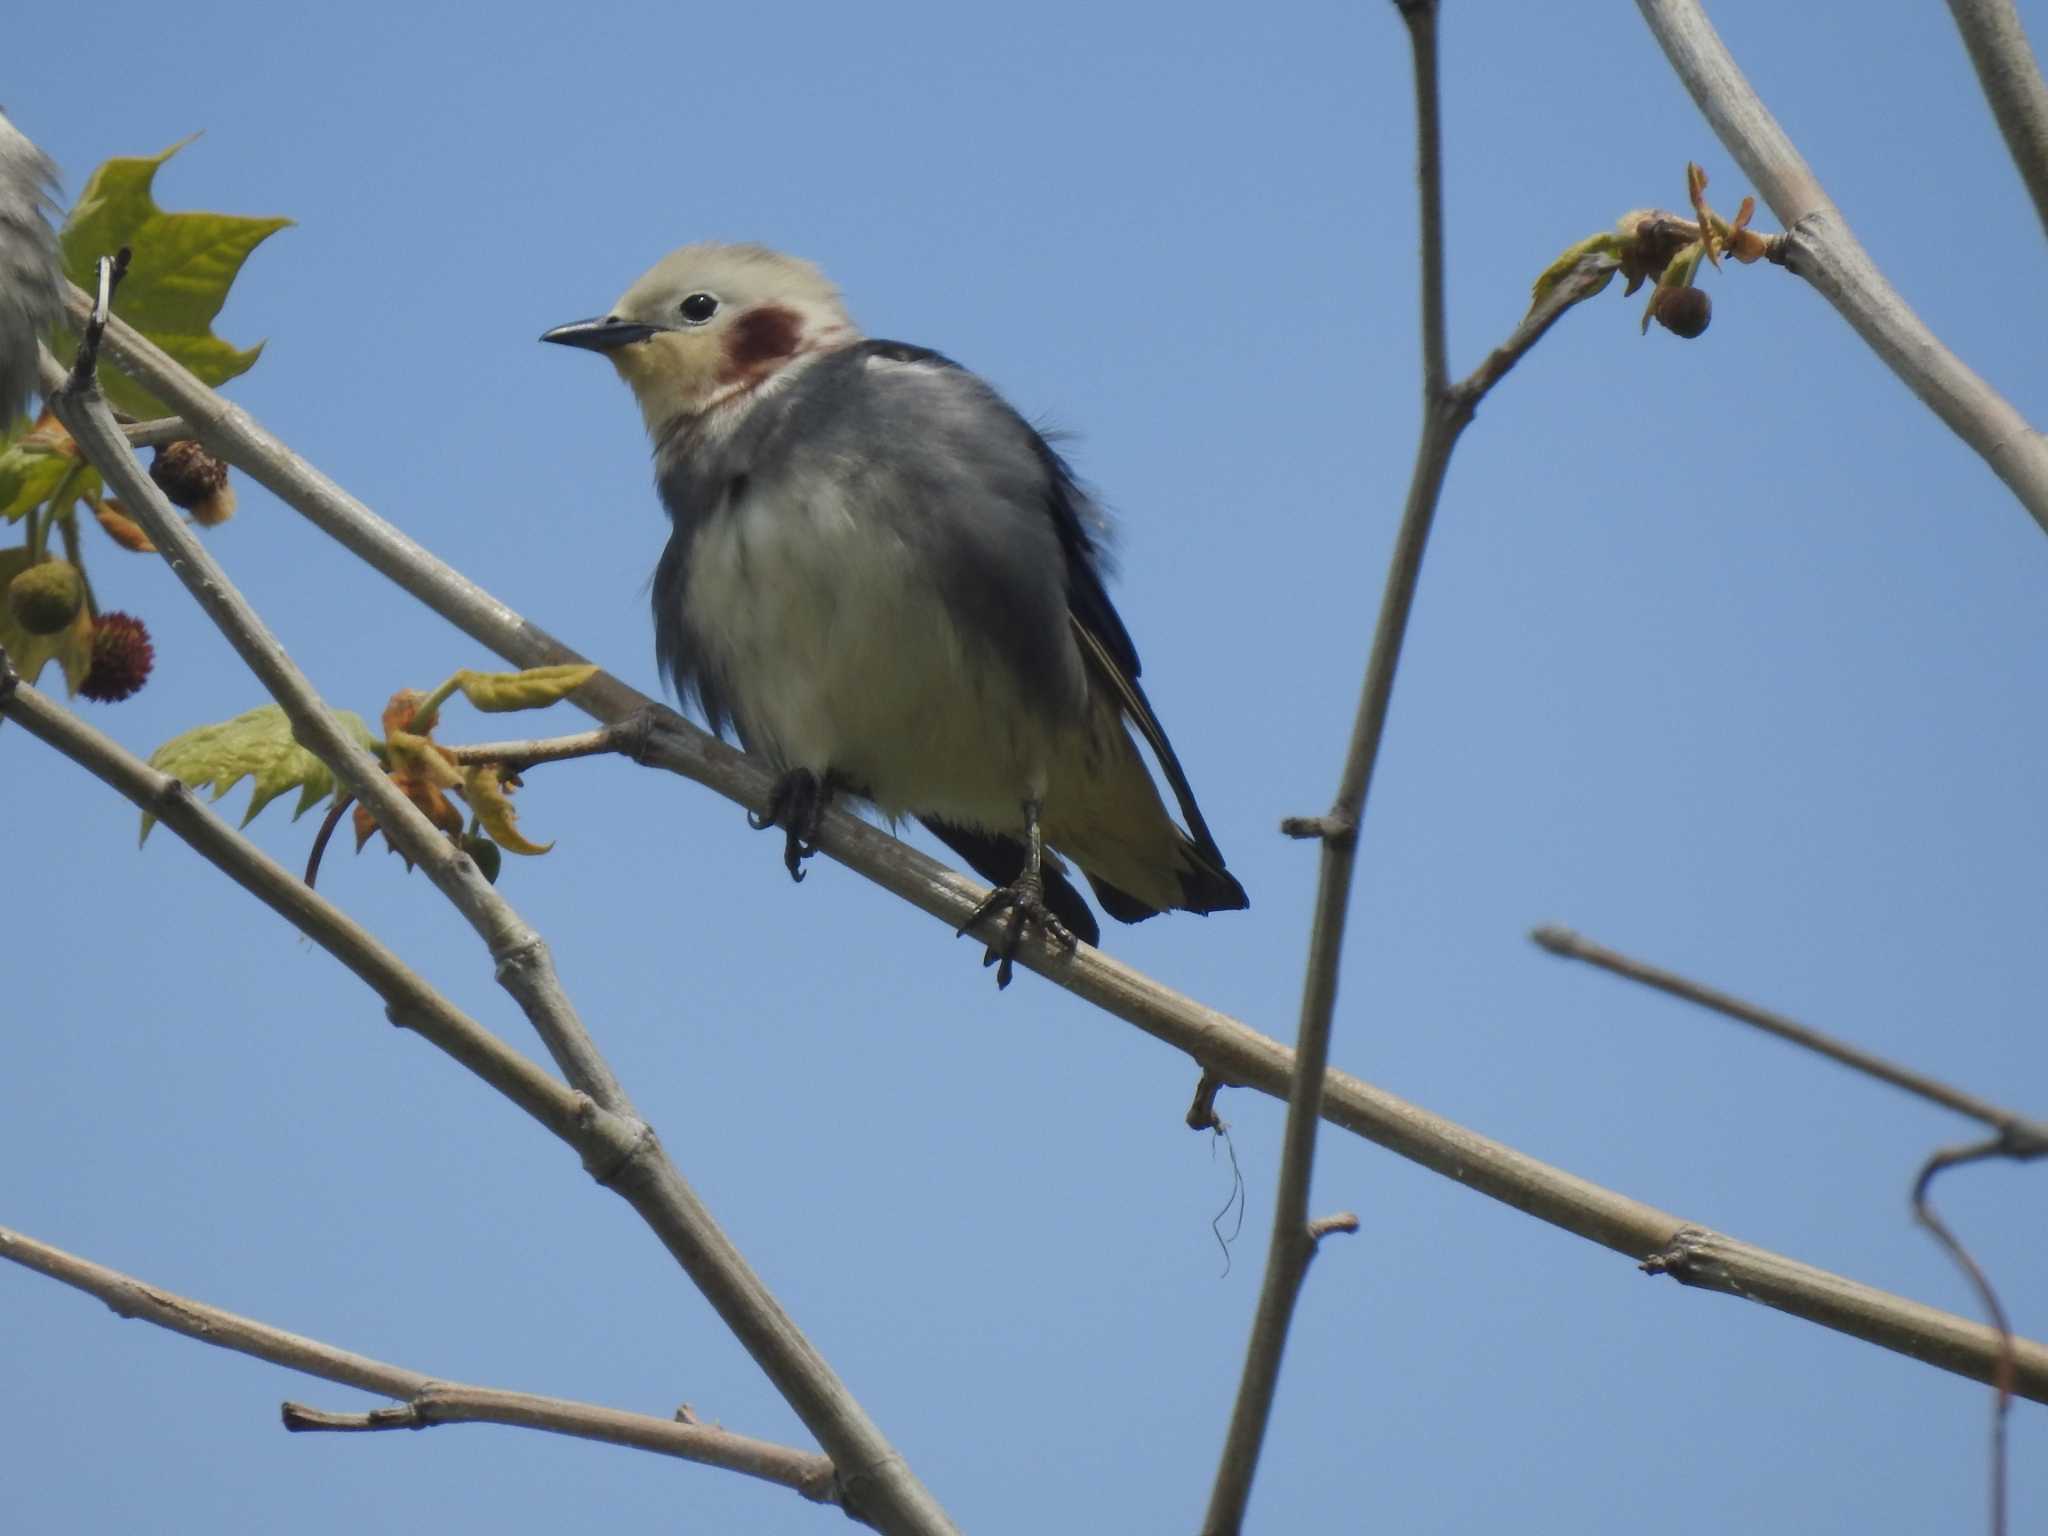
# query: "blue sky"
{"points": [[1726, 653]]}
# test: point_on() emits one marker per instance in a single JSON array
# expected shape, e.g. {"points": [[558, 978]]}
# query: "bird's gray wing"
{"points": [[30, 280]]}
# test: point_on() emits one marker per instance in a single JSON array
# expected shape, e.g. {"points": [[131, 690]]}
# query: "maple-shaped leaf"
{"points": [[70, 647], [178, 279], [33, 463], [259, 746]]}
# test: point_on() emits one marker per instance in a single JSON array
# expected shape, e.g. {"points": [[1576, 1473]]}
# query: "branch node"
{"points": [[1335, 830], [112, 269], [1686, 1259], [1202, 1112], [300, 1419], [1323, 1226]]}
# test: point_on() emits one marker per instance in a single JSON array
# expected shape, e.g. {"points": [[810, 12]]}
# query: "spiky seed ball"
{"points": [[121, 658], [195, 480], [46, 597], [1683, 311]]}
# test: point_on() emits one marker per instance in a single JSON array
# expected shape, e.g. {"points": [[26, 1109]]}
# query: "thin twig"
{"points": [[426, 1399], [111, 270], [2002, 1383], [874, 1475], [1214, 1040], [1821, 248], [2012, 85], [518, 756], [2019, 1136], [1447, 410], [154, 434]]}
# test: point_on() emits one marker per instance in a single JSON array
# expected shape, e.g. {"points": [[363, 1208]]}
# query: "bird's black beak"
{"points": [[602, 335]]}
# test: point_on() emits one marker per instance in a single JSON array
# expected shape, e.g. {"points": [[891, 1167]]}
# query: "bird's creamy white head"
{"points": [[731, 319]]}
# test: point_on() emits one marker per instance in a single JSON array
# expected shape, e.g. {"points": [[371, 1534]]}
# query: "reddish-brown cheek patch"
{"points": [[759, 340]]}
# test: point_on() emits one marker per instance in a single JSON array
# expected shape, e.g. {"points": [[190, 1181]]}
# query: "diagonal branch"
{"points": [[2012, 84], [2018, 1136], [428, 1400], [616, 1150], [1821, 249], [1217, 1042]]}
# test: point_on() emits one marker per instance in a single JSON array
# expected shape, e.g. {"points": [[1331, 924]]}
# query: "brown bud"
{"points": [[121, 658], [1683, 311], [46, 597], [195, 480]]}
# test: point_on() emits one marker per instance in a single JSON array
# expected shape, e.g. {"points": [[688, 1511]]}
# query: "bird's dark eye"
{"points": [[698, 308]]}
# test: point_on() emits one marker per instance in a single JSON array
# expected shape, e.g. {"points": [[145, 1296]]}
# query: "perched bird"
{"points": [[31, 283], [889, 585]]}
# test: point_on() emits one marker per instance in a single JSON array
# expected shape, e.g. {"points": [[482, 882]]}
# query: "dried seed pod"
{"points": [[195, 480], [1683, 311]]}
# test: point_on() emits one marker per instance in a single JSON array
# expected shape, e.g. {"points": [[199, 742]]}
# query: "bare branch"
{"points": [[408, 999], [2002, 1383], [1323, 1226], [1447, 409], [619, 1151], [2019, 1136], [1821, 249], [1217, 1042], [625, 737], [426, 1399], [2012, 84]]}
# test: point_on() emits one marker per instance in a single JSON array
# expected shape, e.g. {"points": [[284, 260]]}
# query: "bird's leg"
{"points": [[796, 804], [1024, 900]]}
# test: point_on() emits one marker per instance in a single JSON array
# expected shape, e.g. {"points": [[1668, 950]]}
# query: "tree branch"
{"points": [[1446, 411], [2018, 1136], [426, 1399], [1821, 249], [2012, 84], [1217, 1043], [2002, 1381], [409, 1000]]}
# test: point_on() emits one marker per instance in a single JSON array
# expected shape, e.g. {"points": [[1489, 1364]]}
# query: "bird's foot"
{"points": [[796, 804], [1023, 899]]}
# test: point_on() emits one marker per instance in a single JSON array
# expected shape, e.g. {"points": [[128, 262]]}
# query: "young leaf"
{"points": [[487, 796], [183, 266], [258, 746], [32, 465], [535, 688]]}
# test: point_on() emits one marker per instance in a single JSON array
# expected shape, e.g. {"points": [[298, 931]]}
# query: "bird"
{"points": [[889, 585], [31, 280]]}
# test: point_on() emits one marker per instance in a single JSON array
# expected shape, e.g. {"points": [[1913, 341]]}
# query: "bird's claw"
{"points": [[1023, 899], [796, 804]]}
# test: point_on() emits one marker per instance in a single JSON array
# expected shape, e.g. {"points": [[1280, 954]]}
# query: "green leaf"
{"points": [[178, 279], [29, 475], [258, 746], [534, 688], [70, 647]]}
